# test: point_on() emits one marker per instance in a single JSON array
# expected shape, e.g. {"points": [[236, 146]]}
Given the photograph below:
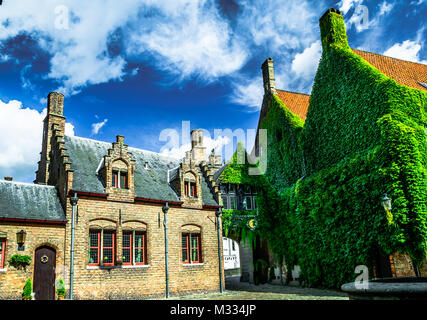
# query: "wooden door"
{"points": [[44, 273]]}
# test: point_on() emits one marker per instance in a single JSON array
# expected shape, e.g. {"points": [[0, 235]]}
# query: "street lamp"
{"points": [[20, 239], [386, 202]]}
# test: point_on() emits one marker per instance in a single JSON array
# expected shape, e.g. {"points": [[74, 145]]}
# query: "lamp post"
{"points": [[386, 202], [20, 239], [73, 201], [165, 210], [218, 215]]}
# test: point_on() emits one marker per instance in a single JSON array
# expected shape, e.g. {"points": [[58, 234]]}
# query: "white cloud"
{"points": [[385, 8], [305, 63], [21, 139], [69, 129], [188, 38], [345, 5], [407, 50], [97, 126], [248, 92]]}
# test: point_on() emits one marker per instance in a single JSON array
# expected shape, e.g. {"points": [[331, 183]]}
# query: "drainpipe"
{"points": [[165, 210], [73, 201], [218, 215]]}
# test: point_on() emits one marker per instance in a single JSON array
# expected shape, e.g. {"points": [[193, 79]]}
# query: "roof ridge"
{"points": [[27, 183], [305, 94], [134, 148], [382, 55]]}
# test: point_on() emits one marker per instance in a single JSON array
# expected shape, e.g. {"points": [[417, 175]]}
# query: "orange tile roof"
{"points": [[404, 72], [296, 102]]}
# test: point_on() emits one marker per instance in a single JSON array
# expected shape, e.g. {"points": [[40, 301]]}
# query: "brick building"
{"points": [[119, 232]]}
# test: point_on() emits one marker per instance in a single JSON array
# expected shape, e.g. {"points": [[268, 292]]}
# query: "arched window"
{"points": [[190, 185], [134, 243], [119, 175], [191, 244]]}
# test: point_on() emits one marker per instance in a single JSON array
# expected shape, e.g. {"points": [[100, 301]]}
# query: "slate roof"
{"points": [[85, 156], [408, 73], [29, 201]]}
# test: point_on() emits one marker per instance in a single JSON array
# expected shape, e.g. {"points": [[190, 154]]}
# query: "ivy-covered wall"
{"points": [[365, 135]]}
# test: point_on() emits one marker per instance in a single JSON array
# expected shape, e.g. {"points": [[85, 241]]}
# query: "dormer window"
{"points": [[190, 189], [119, 179]]}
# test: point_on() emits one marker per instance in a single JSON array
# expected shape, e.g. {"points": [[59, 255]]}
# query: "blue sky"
{"points": [[136, 68]]}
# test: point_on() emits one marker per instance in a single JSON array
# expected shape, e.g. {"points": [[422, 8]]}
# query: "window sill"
{"points": [[3, 270], [192, 264], [135, 266], [116, 267]]}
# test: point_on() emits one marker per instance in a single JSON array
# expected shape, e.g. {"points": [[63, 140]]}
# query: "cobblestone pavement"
{"points": [[236, 290]]}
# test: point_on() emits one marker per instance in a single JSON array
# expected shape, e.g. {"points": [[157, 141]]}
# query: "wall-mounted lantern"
{"points": [[386, 202], [20, 239]]}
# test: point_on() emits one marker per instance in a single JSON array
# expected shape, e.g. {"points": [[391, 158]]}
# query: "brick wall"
{"points": [[141, 281], [11, 280]]}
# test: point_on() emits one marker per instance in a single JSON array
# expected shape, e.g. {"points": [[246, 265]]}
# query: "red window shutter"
{"points": [[2, 252], [193, 190], [186, 188], [185, 249]]}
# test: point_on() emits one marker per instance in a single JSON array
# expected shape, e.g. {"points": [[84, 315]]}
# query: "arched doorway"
{"points": [[44, 273]]}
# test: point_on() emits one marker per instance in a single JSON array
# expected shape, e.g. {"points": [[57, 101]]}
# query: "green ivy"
{"points": [[365, 135]]}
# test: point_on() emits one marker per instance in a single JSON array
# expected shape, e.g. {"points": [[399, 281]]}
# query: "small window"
{"points": [[94, 247], [233, 203], [133, 248], [2, 252], [108, 248], [119, 179], [191, 252], [224, 202], [190, 189], [248, 203]]}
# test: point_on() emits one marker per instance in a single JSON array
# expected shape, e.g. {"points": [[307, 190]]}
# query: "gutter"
{"points": [[64, 222]]}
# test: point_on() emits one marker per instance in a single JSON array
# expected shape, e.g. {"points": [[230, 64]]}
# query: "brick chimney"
{"points": [[332, 29], [268, 77], [54, 121]]}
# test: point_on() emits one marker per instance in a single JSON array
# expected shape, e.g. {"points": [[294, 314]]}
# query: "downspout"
{"points": [[73, 201], [218, 215], [165, 210]]}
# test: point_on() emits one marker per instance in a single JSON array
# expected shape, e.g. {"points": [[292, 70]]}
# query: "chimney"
{"points": [[198, 151], [53, 124], [332, 29], [8, 178], [268, 77]]}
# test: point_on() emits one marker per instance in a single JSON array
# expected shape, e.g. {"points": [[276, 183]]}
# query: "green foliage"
{"points": [[28, 289], [365, 135], [60, 287], [19, 261]]}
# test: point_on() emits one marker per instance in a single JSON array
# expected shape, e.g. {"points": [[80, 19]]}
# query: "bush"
{"points": [[28, 289], [60, 287], [19, 262]]}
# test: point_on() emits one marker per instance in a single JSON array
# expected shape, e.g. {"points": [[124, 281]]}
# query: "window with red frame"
{"points": [[94, 247], [104, 253], [119, 179], [190, 189], [133, 247], [2, 252], [108, 241], [191, 248]]}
